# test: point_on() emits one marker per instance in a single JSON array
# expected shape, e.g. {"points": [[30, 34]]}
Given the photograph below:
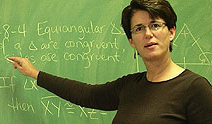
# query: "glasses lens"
{"points": [[152, 26], [155, 26], [138, 29]]}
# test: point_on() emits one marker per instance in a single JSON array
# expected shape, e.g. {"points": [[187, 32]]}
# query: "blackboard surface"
{"points": [[83, 40]]}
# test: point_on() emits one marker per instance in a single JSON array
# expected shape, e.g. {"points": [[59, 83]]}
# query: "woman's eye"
{"points": [[139, 29], [155, 25]]}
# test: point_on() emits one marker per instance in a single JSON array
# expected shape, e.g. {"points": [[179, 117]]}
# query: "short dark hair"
{"points": [[156, 8]]}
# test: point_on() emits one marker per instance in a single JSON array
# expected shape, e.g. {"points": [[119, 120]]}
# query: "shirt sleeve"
{"points": [[101, 96], [199, 102]]}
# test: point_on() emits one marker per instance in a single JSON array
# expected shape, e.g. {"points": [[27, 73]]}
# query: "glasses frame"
{"points": [[150, 26]]}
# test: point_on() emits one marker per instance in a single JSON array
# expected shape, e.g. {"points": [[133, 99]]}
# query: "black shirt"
{"points": [[185, 99]]}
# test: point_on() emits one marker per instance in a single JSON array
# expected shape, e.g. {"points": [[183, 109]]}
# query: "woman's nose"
{"points": [[148, 33]]}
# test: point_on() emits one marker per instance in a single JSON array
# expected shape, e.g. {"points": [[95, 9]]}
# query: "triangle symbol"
{"points": [[187, 49], [32, 46]]}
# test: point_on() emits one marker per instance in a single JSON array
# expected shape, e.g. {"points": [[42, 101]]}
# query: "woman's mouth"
{"points": [[150, 44]]}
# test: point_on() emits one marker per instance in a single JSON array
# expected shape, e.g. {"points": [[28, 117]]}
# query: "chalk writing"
{"points": [[117, 30], [44, 28], [7, 82], [49, 57], [69, 56], [89, 56], [18, 106], [80, 44], [18, 46], [6, 37], [69, 107], [50, 44], [54, 108], [32, 46], [203, 58], [30, 85], [106, 45]]}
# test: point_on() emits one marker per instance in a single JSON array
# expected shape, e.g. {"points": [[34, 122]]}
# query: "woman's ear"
{"points": [[172, 33], [131, 42]]}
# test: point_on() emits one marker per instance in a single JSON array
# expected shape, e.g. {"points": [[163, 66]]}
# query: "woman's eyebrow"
{"points": [[140, 24], [153, 21]]}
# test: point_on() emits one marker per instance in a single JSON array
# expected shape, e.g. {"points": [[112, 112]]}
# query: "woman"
{"points": [[164, 94]]}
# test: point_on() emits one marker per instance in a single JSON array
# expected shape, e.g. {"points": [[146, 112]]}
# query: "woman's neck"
{"points": [[162, 70]]}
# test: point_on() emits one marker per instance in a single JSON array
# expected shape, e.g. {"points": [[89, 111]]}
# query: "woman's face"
{"points": [[151, 44]]}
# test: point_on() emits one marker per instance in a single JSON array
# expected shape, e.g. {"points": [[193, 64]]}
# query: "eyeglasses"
{"points": [[153, 26]]}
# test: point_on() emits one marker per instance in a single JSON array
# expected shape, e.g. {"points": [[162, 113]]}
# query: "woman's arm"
{"points": [[102, 96]]}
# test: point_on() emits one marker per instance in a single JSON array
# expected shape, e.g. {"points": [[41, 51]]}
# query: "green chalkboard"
{"points": [[83, 40]]}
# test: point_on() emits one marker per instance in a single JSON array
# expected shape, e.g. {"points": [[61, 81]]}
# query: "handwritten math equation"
{"points": [[54, 108], [197, 56], [77, 46], [23, 40], [51, 105]]}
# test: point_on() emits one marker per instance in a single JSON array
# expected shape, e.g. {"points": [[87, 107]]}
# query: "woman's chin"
{"points": [[151, 57]]}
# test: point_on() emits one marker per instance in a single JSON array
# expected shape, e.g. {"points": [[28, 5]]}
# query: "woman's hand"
{"points": [[24, 66]]}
